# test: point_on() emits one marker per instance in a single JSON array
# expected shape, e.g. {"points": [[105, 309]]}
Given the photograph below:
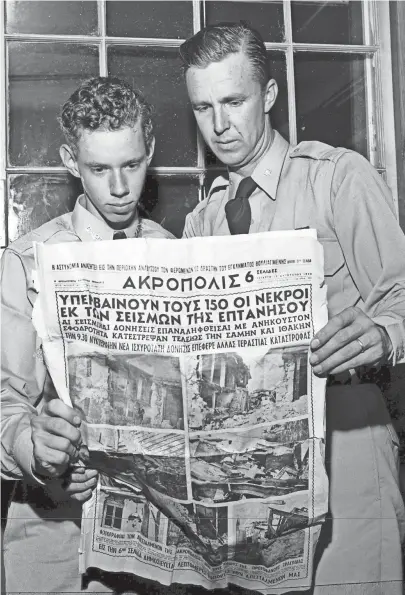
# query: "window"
{"points": [[113, 515], [335, 85]]}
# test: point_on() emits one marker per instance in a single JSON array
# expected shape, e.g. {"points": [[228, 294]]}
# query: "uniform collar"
{"points": [[267, 172], [89, 228]]}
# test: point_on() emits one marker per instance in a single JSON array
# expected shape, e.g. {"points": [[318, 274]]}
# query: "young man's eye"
{"points": [[235, 103], [97, 170], [201, 108], [134, 165]]}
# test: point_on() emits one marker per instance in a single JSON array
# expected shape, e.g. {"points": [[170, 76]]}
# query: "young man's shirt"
{"points": [[25, 381], [339, 193]]}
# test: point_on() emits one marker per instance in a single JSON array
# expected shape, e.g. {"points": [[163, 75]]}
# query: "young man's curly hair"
{"points": [[105, 103]]}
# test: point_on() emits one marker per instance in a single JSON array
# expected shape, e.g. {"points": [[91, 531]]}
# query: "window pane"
{"points": [[331, 99], [118, 517], [157, 73], [279, 112], [34, 199], [54, 17], [312, 22], [266, 17], [150, 19], [41, 78], [168, 200]]}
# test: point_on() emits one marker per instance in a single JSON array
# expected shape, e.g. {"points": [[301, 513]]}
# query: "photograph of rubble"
{"points": [[264, 461], [212, 529], [228, 390], [166, 475], [127, 390], [268, 534]]}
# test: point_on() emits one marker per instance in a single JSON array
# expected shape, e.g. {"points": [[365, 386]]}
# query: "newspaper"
{"points": [[189, 362]]}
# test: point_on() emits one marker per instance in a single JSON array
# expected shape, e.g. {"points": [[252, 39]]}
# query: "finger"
{"points": [[84, 454], [82, 497], [60, 427], [57, 443], [357, 362], [57, 408], [348, 357], [345, 337], [334, 325], [78, 470], [87, 475], [73, 487]]}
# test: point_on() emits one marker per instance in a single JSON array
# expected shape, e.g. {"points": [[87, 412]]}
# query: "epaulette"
{"points": [[156, 227], [317, 150], [220, 183]]}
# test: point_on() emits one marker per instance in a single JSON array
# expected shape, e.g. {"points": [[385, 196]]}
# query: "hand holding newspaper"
{"points": [[189, 361]]}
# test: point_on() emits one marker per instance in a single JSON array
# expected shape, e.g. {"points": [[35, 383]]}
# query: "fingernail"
{"points": [[313, 359], [317, 369], [76, 420], [315, 343]]}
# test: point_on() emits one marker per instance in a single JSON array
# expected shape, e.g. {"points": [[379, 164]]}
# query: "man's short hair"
{"points": [[105, 103], [216, 42]]}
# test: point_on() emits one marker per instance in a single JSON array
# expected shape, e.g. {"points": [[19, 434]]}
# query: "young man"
{"points": [[110, 143], [337, 192]]}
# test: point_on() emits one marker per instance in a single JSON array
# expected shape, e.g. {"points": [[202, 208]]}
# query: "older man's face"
{"points": [[231, 109]]}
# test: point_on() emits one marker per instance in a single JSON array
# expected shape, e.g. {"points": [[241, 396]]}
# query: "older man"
{"points": [[272, 185]]}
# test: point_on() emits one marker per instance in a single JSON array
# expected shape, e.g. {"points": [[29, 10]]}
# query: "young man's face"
{"points": [[231, 108], [112, 167]]}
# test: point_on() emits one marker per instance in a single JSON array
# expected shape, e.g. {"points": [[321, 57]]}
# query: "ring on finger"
{"points": [[361, 345]]}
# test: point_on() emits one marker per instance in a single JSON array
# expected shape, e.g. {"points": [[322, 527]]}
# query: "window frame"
{"points": [[378, 83]]}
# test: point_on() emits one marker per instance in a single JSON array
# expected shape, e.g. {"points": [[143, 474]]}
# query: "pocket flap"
{"points": [[333, 256]]}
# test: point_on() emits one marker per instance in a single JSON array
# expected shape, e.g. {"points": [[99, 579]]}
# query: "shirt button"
{"points": [[267, 172]]}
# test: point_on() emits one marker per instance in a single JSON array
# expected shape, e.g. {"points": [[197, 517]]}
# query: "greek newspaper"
{"points": [[189, 362]]}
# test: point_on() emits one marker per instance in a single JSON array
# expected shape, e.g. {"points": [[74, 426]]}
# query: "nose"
{"points": [[118, 184], [221, 122]]}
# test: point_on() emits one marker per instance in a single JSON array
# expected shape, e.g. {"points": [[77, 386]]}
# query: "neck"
{"points": [[261, 148]]}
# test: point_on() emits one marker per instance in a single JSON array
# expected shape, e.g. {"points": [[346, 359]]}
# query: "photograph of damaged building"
{"points": [[257, 463], [133, 513], [129, 390], [277, 537], [204, 529], [234, 392]]}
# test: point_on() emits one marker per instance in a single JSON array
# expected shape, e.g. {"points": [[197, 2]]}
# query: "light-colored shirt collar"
{"points": [[267, 172], [90, 228]]}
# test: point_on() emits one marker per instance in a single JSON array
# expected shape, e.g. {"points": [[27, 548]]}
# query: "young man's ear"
{"points": [[150, 149], [69, 160], [270, 95]]}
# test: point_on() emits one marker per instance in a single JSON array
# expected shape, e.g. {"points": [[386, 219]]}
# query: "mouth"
{"points": [[228, 144], [122, 207]]}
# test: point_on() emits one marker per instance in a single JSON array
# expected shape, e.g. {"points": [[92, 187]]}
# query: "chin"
{"points": [[119, 221], [229, 159]]}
